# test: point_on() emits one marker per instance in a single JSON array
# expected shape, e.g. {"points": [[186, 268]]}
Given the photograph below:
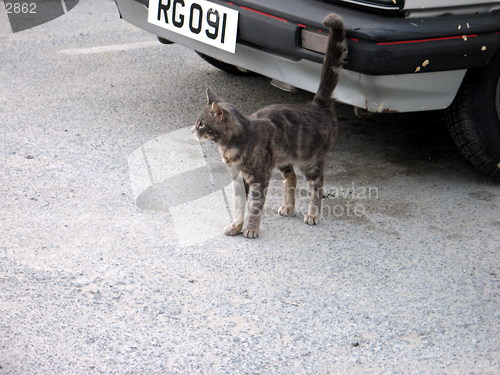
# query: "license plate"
{"points": [[201, 20]]}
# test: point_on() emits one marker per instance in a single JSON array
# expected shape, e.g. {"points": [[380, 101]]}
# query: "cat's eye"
{"points": [[201, 125]]}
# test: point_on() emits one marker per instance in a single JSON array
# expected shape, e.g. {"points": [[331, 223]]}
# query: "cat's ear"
{"points": [[212, 98], [217, 111]]}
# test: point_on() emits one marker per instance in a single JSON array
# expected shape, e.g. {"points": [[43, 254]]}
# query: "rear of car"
{"points": [[404, 56]]}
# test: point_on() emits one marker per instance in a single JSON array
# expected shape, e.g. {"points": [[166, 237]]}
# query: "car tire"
{"points": [[474, 118], [232, 69]]}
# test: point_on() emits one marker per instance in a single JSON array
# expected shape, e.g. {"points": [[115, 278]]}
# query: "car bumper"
{"points": [[384, 84]]}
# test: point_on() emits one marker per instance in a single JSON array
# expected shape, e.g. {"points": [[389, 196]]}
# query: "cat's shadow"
{"points": [[407, 144]]}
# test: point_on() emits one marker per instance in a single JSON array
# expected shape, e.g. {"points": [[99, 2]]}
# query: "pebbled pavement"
{"points": [[93, 283]]}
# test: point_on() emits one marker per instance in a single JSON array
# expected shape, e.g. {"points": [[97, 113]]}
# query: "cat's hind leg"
{"points": [[289, 186], [314, 176]]}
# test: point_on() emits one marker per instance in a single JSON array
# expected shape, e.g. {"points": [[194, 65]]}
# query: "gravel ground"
{"points": [[92, 282]]}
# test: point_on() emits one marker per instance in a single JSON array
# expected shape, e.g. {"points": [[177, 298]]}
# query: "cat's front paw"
{"points": [[233, 229], [251, 233], [311, 219], [286, 210]]}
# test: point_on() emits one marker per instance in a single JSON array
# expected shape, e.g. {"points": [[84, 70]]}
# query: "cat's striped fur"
{"points": [[282, 136]]}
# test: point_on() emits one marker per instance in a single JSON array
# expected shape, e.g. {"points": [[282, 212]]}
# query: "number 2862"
{"points": [[20, 8]]}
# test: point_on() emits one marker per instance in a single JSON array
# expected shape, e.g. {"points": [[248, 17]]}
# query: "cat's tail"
{"points": [[334, 58]]}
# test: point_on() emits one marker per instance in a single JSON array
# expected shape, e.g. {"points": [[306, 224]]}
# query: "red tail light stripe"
{"points": [[427, 40], [265, 14]]}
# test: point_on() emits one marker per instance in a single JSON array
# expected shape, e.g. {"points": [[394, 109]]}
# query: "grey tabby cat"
{"points": [[281, 135]]}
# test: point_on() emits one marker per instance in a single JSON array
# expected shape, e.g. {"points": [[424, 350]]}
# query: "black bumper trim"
{"points": [[431, 56], [378, 45]]}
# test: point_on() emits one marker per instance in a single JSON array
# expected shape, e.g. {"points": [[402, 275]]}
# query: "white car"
{"points": [[404, 55]]}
